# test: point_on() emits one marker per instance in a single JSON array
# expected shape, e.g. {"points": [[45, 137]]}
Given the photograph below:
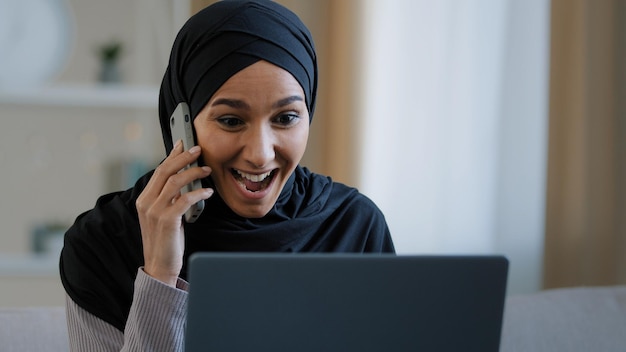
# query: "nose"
{"points": [[259, 147]]}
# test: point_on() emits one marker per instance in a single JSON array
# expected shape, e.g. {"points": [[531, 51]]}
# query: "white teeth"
{"points": [[253, 178]]}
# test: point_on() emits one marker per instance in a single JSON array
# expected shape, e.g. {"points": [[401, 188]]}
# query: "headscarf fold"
{"points": [[225, 38]]}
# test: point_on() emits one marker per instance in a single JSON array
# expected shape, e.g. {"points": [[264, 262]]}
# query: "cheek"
{"points": [[296, 144], [214, 148]]}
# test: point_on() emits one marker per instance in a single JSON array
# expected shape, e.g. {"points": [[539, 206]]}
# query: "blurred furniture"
{"points": [[33, 329], [568, 319]]}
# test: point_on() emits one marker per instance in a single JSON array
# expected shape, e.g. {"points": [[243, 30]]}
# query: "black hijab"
{"points": [[223, 39], [103, 249]]}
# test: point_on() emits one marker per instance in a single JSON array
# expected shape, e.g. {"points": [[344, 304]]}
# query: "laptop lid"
{"points": [[344, 302]]}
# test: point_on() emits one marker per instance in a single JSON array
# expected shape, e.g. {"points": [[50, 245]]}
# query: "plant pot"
{"points": [[109, 72]]}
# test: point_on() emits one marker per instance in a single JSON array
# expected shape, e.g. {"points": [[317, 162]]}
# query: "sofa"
{"points": [[567, 319], [33, 329], [570, 319]]}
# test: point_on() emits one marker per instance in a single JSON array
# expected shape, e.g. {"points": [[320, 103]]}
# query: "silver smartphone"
{"points": [[181, 127]]}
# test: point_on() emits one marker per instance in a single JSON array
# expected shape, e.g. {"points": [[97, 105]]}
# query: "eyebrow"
{"points": [[233, 103], [240, 104], [287, 101]]}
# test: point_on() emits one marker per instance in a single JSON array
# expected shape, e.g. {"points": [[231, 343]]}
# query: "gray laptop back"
{"points": [[344, 302]]}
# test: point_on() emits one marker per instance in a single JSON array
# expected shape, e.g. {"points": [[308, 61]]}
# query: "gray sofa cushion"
{"points": [[33, 329], [571, 319]]}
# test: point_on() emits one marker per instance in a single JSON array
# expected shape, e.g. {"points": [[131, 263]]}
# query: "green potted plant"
{"points": [[109, 54]]}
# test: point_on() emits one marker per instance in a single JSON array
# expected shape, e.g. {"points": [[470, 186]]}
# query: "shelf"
{"points": [[112, 96]]}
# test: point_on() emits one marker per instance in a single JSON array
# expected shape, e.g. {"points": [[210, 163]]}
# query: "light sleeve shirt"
{"points": [[156, 321]]}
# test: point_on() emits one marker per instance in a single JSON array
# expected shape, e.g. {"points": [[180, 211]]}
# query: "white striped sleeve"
{"points": [[156, 321], [87, 332]]}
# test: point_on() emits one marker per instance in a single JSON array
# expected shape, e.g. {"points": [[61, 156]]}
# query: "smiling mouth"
{"points": [[252, 182]]}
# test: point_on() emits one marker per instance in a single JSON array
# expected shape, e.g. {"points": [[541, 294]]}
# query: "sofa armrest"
{"points": [[569, 319], [33, 329]]}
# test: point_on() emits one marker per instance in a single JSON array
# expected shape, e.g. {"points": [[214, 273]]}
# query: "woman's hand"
{"points": [[160, 207]]}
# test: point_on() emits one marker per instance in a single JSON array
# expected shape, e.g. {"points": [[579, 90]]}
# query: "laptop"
{"points": [[344, 302]]}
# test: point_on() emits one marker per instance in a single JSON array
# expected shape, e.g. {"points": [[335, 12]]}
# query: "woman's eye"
{"points": [[230, 122], [286, 119]]}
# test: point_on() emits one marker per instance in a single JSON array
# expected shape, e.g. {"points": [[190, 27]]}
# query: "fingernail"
{"points": [[177, 144], [206, 169], [195, 149]]}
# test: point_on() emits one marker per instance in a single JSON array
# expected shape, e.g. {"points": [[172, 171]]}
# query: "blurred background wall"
{"points": [[454, 144], [478, 126]]}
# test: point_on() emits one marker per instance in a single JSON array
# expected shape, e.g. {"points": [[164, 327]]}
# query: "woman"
{"points": [[248, 71]]}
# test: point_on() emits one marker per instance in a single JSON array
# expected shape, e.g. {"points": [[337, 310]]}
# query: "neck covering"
{"points": [[225, 38], [103, 249]]}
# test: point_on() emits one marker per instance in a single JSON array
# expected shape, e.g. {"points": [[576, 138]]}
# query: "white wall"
{"points": [[455, 109], [55, 156]]}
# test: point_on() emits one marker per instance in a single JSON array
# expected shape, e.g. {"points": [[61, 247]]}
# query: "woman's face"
{"points": [[253, 133]]}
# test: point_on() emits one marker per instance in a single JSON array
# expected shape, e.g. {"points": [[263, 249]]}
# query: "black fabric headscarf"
{"points": [[225, 38], [103, 249]]}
